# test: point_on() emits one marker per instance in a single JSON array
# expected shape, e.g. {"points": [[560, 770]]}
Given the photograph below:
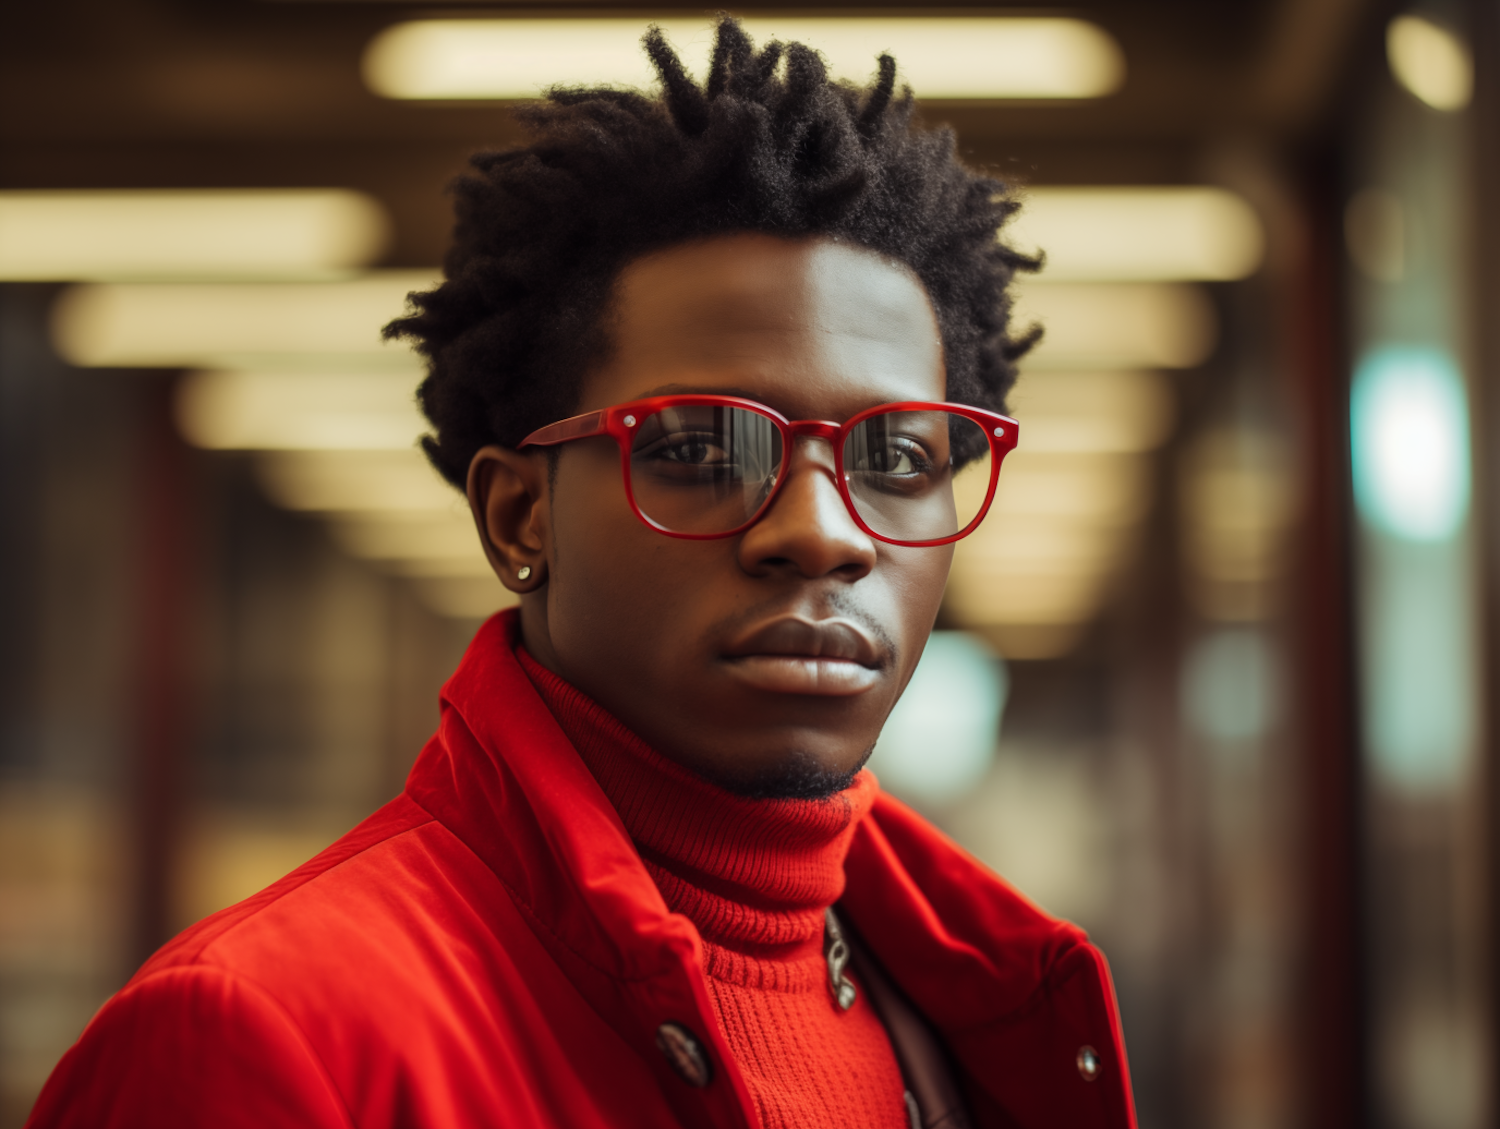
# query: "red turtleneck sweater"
{"points": [[755, 877]]}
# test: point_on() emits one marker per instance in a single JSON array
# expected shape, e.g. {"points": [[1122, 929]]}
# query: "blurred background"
{"points": [[1212, 681]]}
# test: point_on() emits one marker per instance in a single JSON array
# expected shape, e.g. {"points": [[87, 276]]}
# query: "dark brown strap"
{"points": [[922, 1057]]}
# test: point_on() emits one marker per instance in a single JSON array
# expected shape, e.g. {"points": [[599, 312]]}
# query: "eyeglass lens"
{"points": [[704, 469], [913, 476], [917, 476]]}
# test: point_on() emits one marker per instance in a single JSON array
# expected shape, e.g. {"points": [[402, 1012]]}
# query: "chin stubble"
{"points": [[798, 777]]}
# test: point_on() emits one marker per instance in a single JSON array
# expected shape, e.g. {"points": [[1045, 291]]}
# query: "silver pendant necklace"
{"points": [[844, 993]]}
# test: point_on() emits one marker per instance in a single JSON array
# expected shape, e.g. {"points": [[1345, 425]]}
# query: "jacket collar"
{"points": [[502, 777], [987, 967]]}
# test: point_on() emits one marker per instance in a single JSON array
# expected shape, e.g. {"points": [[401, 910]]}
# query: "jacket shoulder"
{"points": [[219, 930], [185, 1047], [394, 971]]}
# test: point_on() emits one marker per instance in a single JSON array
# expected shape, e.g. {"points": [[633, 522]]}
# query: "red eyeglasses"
{"points": [[913, 473]]}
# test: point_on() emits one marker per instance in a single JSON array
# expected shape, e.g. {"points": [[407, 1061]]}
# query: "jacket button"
{"points": [[1088, 1063], [686, 1054]]}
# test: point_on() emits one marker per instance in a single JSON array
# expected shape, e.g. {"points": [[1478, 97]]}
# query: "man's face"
{"points": [[766, 661]]}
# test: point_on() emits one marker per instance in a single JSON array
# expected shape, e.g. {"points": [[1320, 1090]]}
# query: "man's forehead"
{"points": [[835, 400], [752, 285]]}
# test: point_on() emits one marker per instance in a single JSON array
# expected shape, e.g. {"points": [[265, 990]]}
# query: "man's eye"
{"points": [[898, 458], [692, 451], [899, 461]]}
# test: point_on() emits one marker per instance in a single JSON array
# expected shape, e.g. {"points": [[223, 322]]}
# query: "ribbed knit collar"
{"points": [[754, 876]]}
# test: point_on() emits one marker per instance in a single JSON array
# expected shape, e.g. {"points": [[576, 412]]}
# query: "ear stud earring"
{"points": [[523, 573]]}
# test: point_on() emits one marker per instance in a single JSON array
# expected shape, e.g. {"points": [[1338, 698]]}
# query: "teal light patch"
{"points": [[1409, 425], [941, 737]]}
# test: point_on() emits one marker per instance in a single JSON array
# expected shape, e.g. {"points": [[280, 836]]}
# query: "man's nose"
{"points": [[808, 529]]}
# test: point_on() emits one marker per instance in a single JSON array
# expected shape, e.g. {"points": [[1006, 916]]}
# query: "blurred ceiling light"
{"points": [[1024, 598], [1105, 490], [1033, 640], [1431, 62], [1045, 570], [215, 233], [390, 508], [179, 325], [438, 553], [1071, 548], [439, 537], [1117, 325], [367, 482], [1026, 615], [1088, 413], [290, 410], [1065, 517], [300, 410], [940, 57], [1100, 234]]}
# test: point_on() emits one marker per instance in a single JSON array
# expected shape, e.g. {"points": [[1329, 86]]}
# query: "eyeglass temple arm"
{"points": [[577, 427]]}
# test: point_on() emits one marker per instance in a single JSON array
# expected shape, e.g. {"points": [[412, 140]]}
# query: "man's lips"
{"points": [[792, 655]]}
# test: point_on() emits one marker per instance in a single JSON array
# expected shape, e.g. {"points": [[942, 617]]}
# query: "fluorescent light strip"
{"points": [[435, 538], [337, 325], [1032, 597], [940, 57], [1093, 412], [1165, 233], [1103, 489], [229, 233], [1044, 548], [292, 410], [357, 482], [375, 410], [183, 325], [1117, 325]]}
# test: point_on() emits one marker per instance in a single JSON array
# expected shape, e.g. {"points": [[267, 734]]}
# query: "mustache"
{"points": [[835, 604]]}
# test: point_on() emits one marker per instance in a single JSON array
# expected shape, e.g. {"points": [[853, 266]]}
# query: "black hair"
{"points": [[610, 175]]}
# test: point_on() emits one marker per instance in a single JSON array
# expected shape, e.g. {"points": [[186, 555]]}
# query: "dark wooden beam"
{"points": [[161, 701], [1333, 1051]]}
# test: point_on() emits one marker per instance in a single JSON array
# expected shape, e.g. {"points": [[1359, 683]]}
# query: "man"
{"points": [[638, 877]]}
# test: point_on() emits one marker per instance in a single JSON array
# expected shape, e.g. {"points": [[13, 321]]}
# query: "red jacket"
{"points": [[487, 949]]}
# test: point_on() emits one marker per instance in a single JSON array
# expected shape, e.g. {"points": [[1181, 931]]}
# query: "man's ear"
{"points": [[507, 495]]}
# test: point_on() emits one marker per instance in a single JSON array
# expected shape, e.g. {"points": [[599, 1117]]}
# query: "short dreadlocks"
{"points": [[610, 175]]}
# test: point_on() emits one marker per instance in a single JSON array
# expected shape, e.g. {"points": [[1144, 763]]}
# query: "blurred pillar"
{"points": [[1410, 224], [160, 677], [1333, 1051]]}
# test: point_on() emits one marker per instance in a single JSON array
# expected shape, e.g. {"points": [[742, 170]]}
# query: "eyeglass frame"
{"points": [[621, 421]]}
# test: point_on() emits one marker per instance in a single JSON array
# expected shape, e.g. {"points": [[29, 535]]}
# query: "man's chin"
{"points": [[798, 776]]}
